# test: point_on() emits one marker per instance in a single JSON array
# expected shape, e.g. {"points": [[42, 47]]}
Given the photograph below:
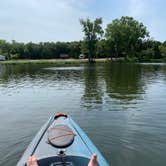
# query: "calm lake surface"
{"points": [[122, 108]]}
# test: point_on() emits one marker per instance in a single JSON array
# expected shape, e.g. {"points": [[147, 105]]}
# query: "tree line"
{"points": [[42, 50], [124, 37]]}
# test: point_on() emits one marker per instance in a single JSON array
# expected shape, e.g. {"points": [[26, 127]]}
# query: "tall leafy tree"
{"points": [[5, 48], [125, 33], [93, 32], [163, 49]]}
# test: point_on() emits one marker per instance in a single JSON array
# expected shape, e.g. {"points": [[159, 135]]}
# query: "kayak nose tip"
{"points": [[60, 114]]}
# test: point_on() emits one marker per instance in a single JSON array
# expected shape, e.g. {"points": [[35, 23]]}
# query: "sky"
{"points": [[58, 20]]}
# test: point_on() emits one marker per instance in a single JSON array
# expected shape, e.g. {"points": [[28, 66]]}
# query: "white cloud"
{"points": [[147, 12], [58, 20], [42, 20]]}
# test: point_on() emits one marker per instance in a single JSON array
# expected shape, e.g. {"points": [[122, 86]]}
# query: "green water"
{"points": [[122, 108]]}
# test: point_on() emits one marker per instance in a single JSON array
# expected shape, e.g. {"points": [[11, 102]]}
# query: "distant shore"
{"points": [[53, 61], [72, 61]]}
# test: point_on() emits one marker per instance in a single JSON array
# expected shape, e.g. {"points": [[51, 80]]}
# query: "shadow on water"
{"points": [[124, 81], [113, 85], [93, 93]]}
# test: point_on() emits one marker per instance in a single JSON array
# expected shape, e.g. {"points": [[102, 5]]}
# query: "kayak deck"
{"points": [[67, 161], [77, 153]]}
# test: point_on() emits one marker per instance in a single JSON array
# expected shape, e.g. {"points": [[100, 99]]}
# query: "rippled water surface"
{"points": [[122, 107]]}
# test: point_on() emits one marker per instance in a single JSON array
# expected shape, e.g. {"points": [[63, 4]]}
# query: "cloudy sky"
{"points": [[58, 20]]}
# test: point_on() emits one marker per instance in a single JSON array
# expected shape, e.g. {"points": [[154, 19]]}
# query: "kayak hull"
{"points": [[78, 153]]}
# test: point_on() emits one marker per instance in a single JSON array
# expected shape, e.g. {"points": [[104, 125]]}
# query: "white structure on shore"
{"points": [[2, 58], [82, 56]]}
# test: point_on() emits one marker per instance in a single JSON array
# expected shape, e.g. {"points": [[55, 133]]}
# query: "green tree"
{"points": [[104, 49], [163, 49], [93, 32], [125, 34], [17, 50], [101, 51], [5, 48], [157, 53], [74, 49]]}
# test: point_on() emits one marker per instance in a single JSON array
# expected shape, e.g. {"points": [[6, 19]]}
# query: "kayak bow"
{"points": [[61, 142]]}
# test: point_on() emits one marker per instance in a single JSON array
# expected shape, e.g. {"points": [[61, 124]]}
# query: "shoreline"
{"points": [[74, 61], [51, 61]]}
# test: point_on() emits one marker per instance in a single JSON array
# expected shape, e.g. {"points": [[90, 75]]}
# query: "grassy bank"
{"points": [[75, 61], [50, 61], [142, 60]]}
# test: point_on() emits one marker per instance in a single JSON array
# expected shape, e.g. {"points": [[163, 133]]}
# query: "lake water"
{"points": [[122, 108]]}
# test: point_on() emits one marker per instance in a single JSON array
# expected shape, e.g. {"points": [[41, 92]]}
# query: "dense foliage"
{"points": [[125, 34], [93, 32], [124, 38], [47, 50]]}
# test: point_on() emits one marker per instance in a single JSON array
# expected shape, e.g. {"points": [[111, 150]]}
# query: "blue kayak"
{"points": [[61, 142]]}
